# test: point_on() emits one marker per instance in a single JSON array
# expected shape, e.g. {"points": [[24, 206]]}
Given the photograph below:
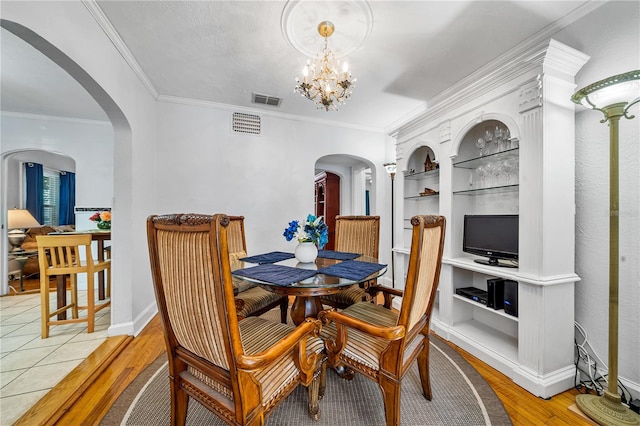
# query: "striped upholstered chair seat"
{"points": [[239, 369], [382, 344], [355, 234], [258, 335]]}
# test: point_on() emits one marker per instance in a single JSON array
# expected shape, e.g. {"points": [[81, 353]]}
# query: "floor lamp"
{"points": [[391, 169], [612, 96]]}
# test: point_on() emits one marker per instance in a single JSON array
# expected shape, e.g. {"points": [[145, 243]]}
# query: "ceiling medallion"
{"points": [[300, 18], [326, 80]]}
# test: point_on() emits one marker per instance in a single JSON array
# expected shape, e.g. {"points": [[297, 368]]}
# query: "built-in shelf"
{"points": [[499, 312], [422, 175], [487, 337], [474, 163], [535, 349], [420, 197], [503, 189]]}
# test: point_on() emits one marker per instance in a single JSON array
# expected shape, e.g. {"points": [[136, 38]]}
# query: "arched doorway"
{"points": [[120, 124]]}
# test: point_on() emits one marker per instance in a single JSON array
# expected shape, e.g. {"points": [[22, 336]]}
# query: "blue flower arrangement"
{"points": [[313, 230]]}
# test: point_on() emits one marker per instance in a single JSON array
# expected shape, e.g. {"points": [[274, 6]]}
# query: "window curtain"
{"points": [[66, 215], [366, 206], [35, 187]]}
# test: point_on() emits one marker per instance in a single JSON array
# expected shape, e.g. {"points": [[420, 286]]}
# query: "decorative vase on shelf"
{"points": [[306, 252], [104, 225]]}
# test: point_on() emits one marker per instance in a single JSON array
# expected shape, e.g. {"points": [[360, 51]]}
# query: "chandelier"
{"points": [[321, 80]]}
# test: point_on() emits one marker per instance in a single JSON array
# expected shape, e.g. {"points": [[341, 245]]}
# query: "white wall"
{"points": [[88, 144], [269, 179], [67, 33], [611, 36]]}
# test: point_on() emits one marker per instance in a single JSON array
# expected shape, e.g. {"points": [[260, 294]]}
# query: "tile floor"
{"points": [[31, 366]]}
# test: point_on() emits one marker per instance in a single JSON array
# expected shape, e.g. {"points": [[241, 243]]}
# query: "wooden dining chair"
{"points": [[238, 369], [251, 300], [382, 344], [355, 234], [60, 255]]}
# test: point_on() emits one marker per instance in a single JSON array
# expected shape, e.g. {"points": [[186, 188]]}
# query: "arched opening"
{"points": [[357, 182], [120, 134], [121, 129]]}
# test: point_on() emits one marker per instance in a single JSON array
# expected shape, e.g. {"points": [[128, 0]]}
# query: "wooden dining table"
{"points": [[99, 236], [308, 291]]}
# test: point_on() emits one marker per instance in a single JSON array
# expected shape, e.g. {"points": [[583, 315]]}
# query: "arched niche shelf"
{"points": [[421, 186], [476, 128]]}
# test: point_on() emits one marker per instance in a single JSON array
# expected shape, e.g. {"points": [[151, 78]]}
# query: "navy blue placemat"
{"points": [[352, 269], [276, 274], [272, 257], [339, 255]]}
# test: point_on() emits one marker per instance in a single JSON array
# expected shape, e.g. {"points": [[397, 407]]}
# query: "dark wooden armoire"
{"points": [[327, 197]]}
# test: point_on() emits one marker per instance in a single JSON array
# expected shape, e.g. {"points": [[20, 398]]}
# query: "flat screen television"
{"points": [[492, 236]]}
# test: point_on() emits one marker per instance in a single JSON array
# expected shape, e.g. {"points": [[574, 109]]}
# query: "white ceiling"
{"points": [[222, 51]]}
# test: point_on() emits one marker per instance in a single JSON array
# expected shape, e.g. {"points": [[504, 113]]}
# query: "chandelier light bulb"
{"points": [[326, 87]]}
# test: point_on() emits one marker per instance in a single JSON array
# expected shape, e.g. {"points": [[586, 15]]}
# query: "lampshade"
{"points": [[390, 167], [20, 219], [619, 89]]}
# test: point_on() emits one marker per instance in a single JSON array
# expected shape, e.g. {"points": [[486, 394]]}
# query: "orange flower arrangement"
{"points": [[103, 219]]}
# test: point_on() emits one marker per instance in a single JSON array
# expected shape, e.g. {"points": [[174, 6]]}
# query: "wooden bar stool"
{"points": [[107, 256], [64, 259]]}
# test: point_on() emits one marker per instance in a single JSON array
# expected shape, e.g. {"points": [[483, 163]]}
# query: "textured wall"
{"points": [[614, 49]]}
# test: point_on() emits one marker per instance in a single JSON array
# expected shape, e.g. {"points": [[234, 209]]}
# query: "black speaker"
{"points": [[495, 290], [511, 297]]}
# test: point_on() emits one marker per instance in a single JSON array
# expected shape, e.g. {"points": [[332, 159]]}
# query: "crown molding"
{"points": [[121, 47], [262, 112], [29, 116], [119, 44], [523, 57]]}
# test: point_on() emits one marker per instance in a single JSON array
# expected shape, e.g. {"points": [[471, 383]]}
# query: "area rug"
{"points": [[460, 397]]}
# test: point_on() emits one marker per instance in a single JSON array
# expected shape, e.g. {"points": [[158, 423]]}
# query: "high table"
{"points": [[308, 291], [99, 236]]}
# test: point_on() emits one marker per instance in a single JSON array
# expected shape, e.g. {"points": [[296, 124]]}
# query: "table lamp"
{"points": [[17, 221], [613, 97]]}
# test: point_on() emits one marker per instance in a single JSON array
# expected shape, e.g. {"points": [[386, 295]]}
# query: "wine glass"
{"points": [[507, 139], [482, 175], [508, 166], [488, 137], [501, 142], [492, 173], [480, 144]]}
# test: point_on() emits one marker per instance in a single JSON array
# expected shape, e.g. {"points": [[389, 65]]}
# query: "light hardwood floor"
{"points": [[78, 400]]}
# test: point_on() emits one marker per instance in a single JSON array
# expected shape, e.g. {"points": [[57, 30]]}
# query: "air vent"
{"points": [[246, 123], [265, 100]]}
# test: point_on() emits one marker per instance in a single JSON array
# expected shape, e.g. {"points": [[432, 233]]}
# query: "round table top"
{"points": [[319, 284]]}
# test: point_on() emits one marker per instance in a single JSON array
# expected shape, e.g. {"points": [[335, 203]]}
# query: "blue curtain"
{"points": [[35, 187], [67, 198], [366, 198]]}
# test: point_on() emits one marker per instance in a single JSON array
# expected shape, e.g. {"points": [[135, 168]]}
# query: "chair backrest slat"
{"points": [[60, 254], [184, 251], [358, 234], [236, 237], [424, 269]]}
